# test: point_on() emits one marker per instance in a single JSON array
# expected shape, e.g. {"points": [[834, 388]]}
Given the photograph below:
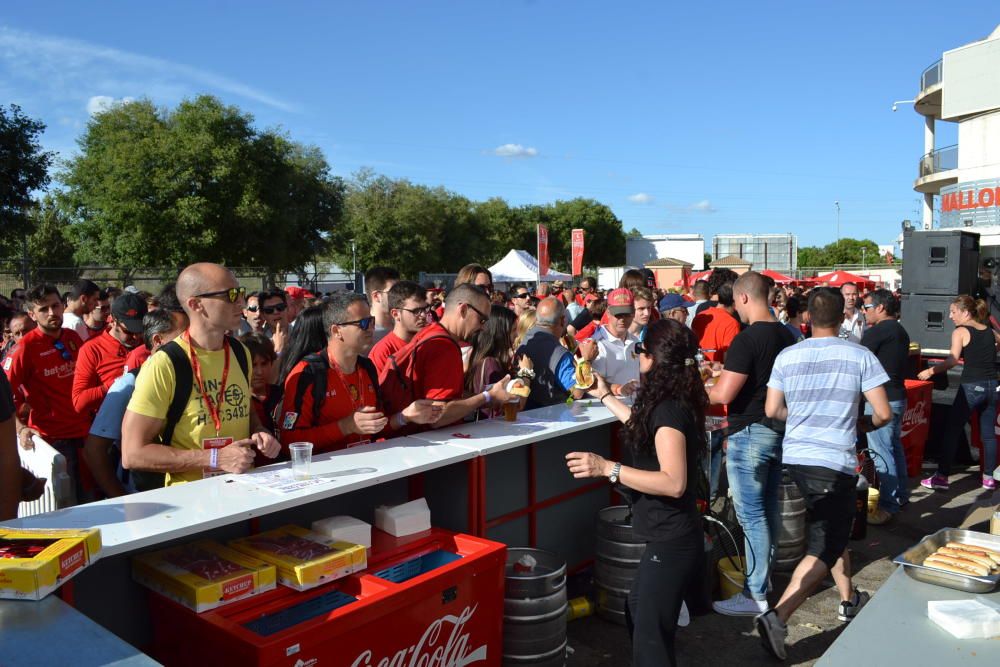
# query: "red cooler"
{"points": [[916, 424], [434, 599]]}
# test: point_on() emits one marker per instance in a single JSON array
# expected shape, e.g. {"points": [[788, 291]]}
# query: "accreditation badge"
{"points": [[288, 423]]}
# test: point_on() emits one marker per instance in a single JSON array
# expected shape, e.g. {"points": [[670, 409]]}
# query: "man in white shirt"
{"points": [[853, 326], [81, 300], [701, 294], [616, 359]]}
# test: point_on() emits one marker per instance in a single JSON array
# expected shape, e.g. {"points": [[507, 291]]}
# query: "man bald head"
{"points": [[550, 314], [204, 290], [201, 278]]}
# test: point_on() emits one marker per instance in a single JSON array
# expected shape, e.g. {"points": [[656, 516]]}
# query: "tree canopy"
{"points": [[153, 187], [845, 251], [24, 169]]}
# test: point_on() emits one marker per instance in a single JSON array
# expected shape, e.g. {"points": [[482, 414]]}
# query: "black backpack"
{"points": [[314, 376]]}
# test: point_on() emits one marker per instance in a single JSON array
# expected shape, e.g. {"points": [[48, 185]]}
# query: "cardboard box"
{"points": [[304, 559], [203, 575], [35, 562]]}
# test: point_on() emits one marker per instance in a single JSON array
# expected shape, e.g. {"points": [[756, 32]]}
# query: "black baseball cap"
{"points": [[129, 309]]}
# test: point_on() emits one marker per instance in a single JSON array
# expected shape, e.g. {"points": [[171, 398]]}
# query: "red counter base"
{"points": [[446, 611]]}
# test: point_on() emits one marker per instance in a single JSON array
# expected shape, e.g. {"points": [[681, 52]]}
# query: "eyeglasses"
{"points": [[62, 350], [483, 319], [276, 308], [417, 312], [233, 294], [641, 349], [364, 323]]}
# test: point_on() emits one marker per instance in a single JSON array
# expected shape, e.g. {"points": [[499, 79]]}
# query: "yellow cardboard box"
{"points": [[304, 559], [58, 555], [203, 575]]}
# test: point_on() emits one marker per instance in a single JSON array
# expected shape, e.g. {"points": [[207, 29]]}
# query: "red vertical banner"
{"points": [[543, 250], [577, 252]]}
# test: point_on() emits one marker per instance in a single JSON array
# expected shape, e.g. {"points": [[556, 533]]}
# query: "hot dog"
{"points": [[969, 556], [992, 554], [955, 565]]}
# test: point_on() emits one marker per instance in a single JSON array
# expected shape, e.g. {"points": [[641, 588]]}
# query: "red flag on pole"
{"points": [[577, 252], [543, 250]]}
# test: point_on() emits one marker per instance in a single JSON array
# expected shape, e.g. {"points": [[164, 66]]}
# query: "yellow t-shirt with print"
{"points": [[154, 390]]}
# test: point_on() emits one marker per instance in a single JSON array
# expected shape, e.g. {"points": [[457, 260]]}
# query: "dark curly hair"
{"points": [[671, 377]]}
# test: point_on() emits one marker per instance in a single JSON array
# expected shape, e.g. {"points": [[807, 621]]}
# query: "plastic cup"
{"points": [[302, 453], [510, 410]]}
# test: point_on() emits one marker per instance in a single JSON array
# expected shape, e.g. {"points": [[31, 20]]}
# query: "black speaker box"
{"points": [[940, 261], [925, 318]]}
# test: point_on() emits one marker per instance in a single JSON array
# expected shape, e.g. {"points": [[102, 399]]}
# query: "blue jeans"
{"points": [[890, 462], [972, 396], [753, 462]]}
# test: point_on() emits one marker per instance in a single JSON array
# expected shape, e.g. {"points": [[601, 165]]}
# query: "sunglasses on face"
{"points": [[63, 352], [522, 295], [271, 310], [483, 319], [867, 306], [364, 323], [233, 294]]}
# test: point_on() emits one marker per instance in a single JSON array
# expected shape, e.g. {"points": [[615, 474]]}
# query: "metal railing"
{"points": [[930, 76], [939, 159]]}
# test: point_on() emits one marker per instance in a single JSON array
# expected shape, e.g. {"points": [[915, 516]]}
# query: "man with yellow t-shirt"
{"points": [[218, 428]]}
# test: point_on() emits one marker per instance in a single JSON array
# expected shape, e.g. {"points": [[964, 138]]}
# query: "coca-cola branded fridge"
{"points": [[434, 599]]}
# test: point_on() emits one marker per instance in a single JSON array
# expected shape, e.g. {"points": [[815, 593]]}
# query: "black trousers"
{"points": [[667, 574]]}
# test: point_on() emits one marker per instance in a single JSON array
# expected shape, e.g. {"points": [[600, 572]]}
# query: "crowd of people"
{"points": [[139, 391]]}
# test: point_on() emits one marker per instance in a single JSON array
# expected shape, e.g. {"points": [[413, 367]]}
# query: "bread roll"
{"points": [[957, 566], [967, 555], [992, 554]]}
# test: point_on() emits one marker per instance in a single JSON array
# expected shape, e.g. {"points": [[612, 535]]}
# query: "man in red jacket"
{"points": [[41, 374], [102, 358]]}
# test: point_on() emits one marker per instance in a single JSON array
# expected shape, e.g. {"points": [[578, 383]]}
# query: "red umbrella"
{"points": [[779, 278], [838, 278]]}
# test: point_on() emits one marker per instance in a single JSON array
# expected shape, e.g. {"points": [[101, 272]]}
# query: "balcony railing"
{"points": [[941, 159], [931, 76]]}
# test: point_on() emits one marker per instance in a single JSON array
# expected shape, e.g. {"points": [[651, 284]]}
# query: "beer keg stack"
{"points": [[938, 265]]}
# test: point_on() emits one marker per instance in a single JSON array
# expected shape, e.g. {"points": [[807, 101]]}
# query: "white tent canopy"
{"points": [[520, 267]]}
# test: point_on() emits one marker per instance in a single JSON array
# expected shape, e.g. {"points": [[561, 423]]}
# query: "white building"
{"points": [[687, 247], [964, 88]]}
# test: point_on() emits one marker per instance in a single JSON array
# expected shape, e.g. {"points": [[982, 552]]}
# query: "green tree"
{"points": [[154, 187], [708, 259], [633, 234], [604, 238], [24, 169], [504, 229], [846, 251]]}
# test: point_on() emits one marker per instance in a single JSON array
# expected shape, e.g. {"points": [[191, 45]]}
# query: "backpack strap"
{"points": [[183, 380], [312, 376], [407, 382], [369, 367], [240, 352]]}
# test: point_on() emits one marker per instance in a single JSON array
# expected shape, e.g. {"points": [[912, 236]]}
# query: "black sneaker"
{"points": [[772, 634], [849, 609]]}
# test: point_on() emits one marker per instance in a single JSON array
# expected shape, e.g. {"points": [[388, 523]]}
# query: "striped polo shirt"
{"points": [[822, 379]]}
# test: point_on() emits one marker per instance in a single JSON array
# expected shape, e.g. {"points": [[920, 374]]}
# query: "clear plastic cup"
{"points": [[301, 458]]}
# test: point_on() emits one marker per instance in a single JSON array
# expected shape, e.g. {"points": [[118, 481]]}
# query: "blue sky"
{"points": [[713, 117]]}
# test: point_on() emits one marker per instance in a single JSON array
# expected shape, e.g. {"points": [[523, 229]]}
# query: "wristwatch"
{"points": [[615, 472]]}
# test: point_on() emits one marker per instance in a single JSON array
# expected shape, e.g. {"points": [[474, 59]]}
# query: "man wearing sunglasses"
{"points": [[409, 308], [218, 429], [332, 399], [435, 367], [522, 300], [253, 322], [41, 373], [102, 359]]}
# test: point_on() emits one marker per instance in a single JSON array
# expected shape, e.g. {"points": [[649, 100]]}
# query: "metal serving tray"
{"points": [[912, 560]]}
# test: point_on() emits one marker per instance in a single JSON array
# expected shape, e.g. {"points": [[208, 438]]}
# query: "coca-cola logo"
{"points": [[237, 587], [914, 417], [431, 650]]}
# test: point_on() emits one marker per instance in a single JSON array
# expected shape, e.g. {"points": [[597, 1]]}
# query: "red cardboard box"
{"points": [[916, 424]]}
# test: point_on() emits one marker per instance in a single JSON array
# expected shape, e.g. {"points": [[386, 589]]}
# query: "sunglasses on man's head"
{"points": [[63, 352], [233, 294], [364, 323]]}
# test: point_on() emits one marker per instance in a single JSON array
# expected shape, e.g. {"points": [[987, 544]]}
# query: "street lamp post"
{"points": [[354, 260], [864, 251], [837, 204]]}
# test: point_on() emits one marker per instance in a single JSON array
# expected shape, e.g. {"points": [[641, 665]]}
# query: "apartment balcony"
{"points": [[937, 169], [928, 100]]}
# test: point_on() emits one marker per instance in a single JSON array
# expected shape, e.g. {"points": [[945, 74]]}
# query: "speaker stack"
{"points": [[938, 265]]}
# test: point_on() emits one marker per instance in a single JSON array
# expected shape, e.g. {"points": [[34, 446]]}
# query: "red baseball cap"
{"points": [[620, 302], [297, 292]]}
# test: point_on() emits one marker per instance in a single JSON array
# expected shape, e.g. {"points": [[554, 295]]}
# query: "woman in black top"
{"points": [[974, 342], [665, 431]]}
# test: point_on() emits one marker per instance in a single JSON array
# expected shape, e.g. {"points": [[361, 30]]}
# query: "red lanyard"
{"points": [[212, 406], [359, 400]]}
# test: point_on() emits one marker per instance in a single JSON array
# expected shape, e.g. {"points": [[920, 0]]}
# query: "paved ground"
{"points": [[724, 641]]}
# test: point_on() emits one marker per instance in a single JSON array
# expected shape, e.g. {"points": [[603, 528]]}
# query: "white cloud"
{"points": [[703, 206], [59, 69], [641, 198], [101, 103], [515, 151]]}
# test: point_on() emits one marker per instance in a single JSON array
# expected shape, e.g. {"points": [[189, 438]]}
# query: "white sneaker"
{"points": [[740, 605], [684, 618]]}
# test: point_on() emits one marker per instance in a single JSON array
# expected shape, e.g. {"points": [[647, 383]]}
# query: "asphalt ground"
{"points": [[713, 639]]}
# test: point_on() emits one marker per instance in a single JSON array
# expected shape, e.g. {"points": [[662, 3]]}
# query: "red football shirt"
{"points": [[390, 344], [101, 362], [346, 393], [438, 373], [137, 357], [41, 376]]}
